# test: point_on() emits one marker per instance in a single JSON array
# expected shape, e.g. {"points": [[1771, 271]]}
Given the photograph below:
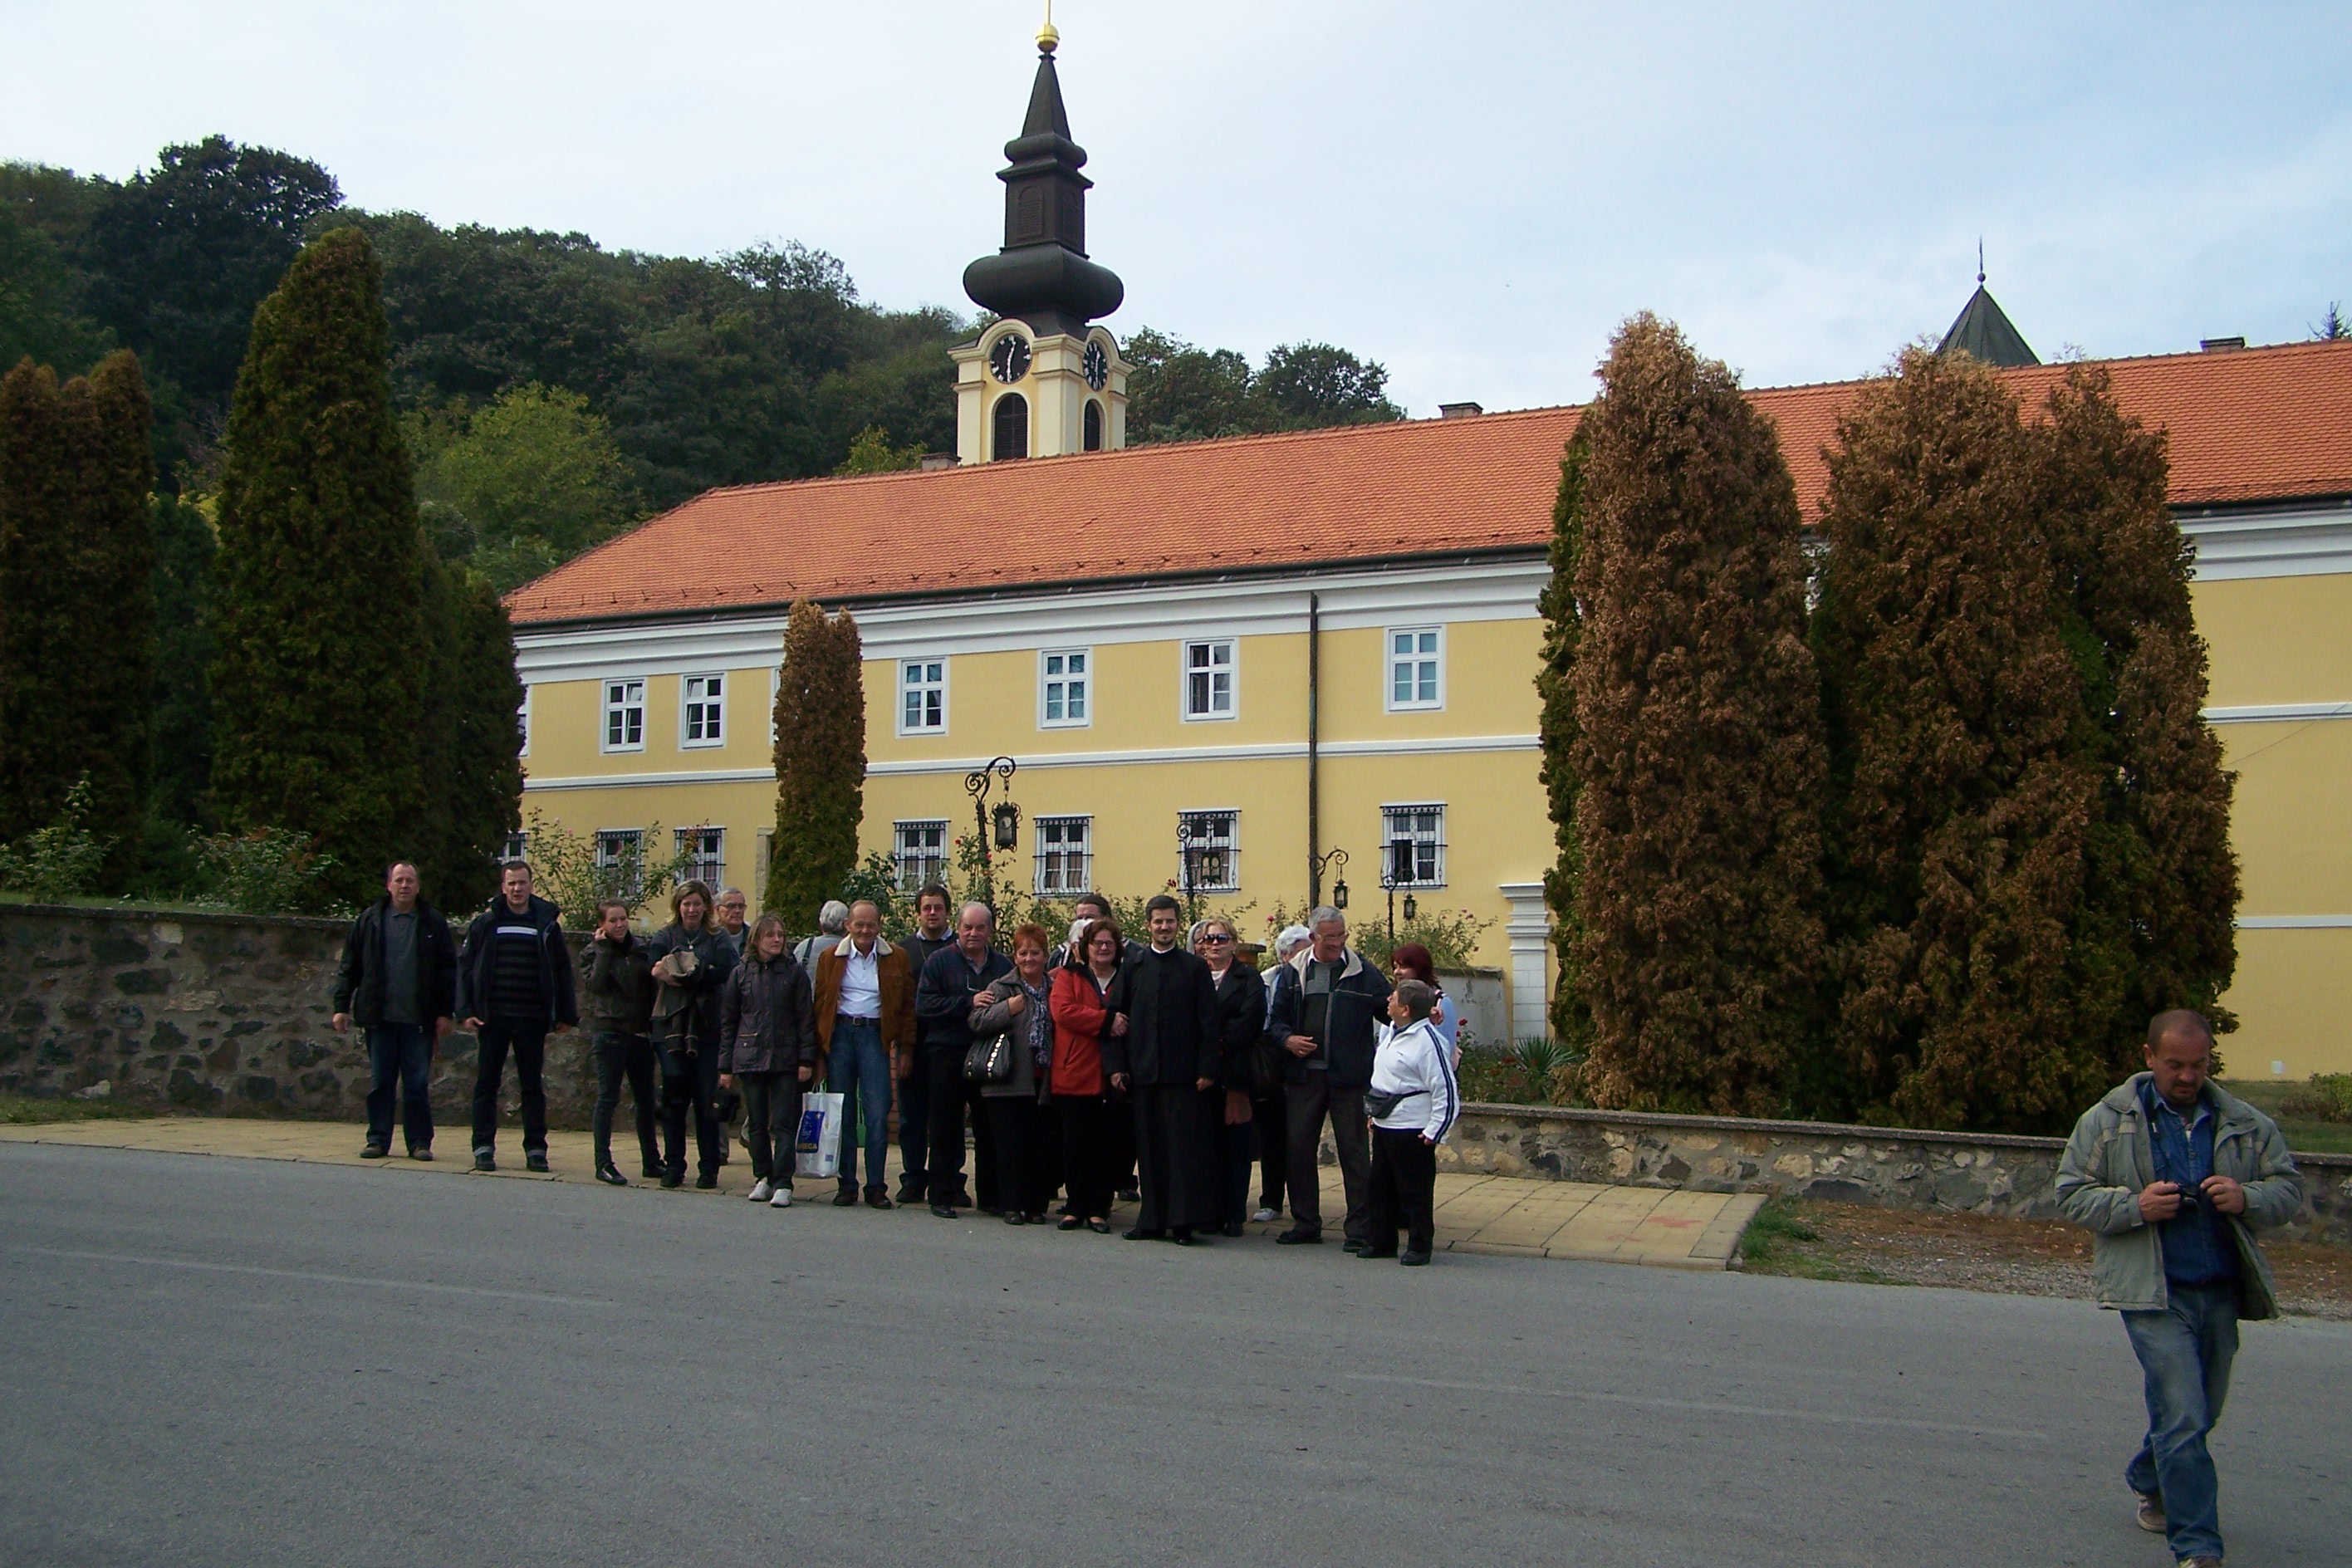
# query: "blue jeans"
{"points": [[859, 1072], [400, 1055], [2185, 1352]]}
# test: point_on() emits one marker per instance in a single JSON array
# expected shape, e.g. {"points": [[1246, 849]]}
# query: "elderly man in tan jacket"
{"points": [[865, 1022]]}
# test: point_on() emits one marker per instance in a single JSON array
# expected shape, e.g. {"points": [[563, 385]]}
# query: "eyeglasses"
{"points": [[1220, 940]]}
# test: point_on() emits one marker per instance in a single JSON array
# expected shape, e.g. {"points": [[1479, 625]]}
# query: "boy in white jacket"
{"points": [[1412, 1103]]}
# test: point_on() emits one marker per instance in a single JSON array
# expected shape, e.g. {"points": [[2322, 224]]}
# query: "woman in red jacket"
{"points": [[1076, 1078]]}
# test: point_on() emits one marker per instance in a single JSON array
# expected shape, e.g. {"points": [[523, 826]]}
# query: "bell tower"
{"points": [[1043, 380]]}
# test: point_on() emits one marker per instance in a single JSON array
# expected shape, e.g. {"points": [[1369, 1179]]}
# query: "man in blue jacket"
{"points": [[514, 988], [951, 977], [398, 982], [1326, 1000]]}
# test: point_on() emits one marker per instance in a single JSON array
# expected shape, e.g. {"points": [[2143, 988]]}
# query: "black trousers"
{"points": [[952, 1100], [1086, 1123], [1403, 1183], [1237, 1152], [1020, 1152], [689, 1081], [771, 1123], [1176, 1133], [631, 1056], [1120, 1149], [1305, 1107], [1272, 1150], [528, 1042], [914, 1127]]}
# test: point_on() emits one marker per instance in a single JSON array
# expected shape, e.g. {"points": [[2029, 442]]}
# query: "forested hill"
{"points": [[553, 391]]}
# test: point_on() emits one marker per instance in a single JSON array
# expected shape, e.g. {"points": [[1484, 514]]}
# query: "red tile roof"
{"points": [[2250, 424]]}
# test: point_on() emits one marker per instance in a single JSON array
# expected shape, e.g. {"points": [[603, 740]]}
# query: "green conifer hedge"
{"points": [[820, 719]]}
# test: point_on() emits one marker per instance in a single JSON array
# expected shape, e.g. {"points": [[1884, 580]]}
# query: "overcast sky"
{"points": [[1474, 195]]}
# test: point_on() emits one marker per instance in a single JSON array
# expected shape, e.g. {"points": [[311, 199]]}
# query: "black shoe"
{"points": [[1069, 1222], [374, 1151], [911, 1192], [673, 1179], [1130, 1194], [611, 1176], [992, 1213], [706, 1182], [1014, 1216], [845, 1199], [1234, 1227], [1413, 1259], [1099, 1227], [535, 1162], [1369, 1253], [423, 1153], [1139, 1234], [942, 1211], [482, 1160], [652, 1171], [1298, 1235], [876, 1198], [1354, 1244]]}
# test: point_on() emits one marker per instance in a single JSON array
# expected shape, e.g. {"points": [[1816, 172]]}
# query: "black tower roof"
{"points": [[1983, 330], [1042, 275]]}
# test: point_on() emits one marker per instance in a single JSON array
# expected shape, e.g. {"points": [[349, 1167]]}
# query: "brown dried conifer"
{"points": [[1696, 751], [820, 719]]}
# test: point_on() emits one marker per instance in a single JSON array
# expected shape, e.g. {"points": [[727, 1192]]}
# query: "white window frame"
{"points": [[1392, 660], [692, 862], [522, 719], [1232, 671], [1431, 838], [710, 709], [607, 843], [1065, 682], [775, 690], [1231, 881], [909, 882], [604, 742], [904, 687], [1071, 860], [518, 847]]}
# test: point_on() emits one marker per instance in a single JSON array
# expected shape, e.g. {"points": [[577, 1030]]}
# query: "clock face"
{"points": [[1008, 360], [1097, 366]]}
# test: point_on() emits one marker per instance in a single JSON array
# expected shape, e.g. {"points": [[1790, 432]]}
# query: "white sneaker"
{"points": [[762, 1190], [783, 1200], [1265, 1216]]}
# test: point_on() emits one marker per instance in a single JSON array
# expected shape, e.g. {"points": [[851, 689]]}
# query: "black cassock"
{"points": [[1171, 1004]]}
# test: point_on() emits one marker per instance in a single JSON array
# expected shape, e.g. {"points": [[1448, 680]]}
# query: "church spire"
{"points": [[1042, 274], [1984, 331]]}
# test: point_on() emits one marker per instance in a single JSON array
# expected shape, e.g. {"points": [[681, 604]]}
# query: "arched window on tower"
{"points": [[1011, 435], [1094, 426]]}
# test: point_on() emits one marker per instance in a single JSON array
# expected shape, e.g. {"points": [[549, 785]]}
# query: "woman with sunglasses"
{"points": [[1241, 1024]]}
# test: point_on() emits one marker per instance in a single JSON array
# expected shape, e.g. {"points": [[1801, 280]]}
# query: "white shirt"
{"points": [[861, 981]]}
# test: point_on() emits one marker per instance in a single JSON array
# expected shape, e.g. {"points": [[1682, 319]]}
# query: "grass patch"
{"points": [[1779, 1241], [25, 1111], [2304, 1134]]}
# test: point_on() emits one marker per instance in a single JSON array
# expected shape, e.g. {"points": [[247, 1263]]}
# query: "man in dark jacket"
{"points": [[932, 934], [514, 988], [1325, 1002], [620, 1007], [691, 959], [1165, 1050], [398, 982], [943, 1002]]}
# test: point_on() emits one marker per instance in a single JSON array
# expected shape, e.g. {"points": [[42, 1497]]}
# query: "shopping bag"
{"points": [[820, 1140]]}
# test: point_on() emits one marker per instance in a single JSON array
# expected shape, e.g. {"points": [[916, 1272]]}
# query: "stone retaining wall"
{"points": [[220, 1013], [1980, 1172]]}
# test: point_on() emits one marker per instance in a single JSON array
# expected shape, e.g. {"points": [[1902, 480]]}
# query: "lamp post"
{"points": [[1333, 861], [991, 831], [1398, 869]]}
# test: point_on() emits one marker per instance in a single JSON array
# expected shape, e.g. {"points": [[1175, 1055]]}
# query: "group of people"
{"points": [[1095, 1065]]}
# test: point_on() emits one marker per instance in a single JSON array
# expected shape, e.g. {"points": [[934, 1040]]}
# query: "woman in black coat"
{"points": [[768, 1045], [1240, 1025]]}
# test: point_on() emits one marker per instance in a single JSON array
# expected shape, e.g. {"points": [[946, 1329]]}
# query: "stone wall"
{"points": [[215, 1013], [1980, 1172]]}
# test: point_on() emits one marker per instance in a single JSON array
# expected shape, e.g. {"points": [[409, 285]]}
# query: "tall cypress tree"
{"points": [[1697, 755], [1570, 1014], [820, 764], [2161, 904], [480, 788], [320, 639], [77, 555], [180, 735], [1962, 803]]}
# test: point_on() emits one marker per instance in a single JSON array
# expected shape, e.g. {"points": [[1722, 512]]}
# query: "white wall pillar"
{"points": [[1530, 933]]}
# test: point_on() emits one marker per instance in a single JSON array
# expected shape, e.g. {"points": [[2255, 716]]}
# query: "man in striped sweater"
{"points": [[514, 987]]}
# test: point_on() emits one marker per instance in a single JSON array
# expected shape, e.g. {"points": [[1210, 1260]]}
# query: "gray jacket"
{"points": [[991, 1015], [2109, 1160]]}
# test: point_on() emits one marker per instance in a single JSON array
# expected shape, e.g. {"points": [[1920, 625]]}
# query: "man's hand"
{"points": [[441, 1027], [1204, 1083], [2159, 1201], [1428, 1140], [807, 1073], [342, 1023], [1119, 1023], [2225, 1195], [561, 1029], [726, 1080], [473, 1026], [1119, 1081], [901, 1066], [1299, 1045]]}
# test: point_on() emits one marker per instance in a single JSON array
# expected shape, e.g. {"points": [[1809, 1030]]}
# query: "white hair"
{"points": [[1292, 939], [1322, 915], [971, 904], [834, 919]]}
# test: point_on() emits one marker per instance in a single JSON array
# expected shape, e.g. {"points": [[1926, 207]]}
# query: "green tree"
{"points": [[1570, 1013], [1177, 392], [317, 707], [472, 753], [1698, 753], [518, 487], [1313, 385], [871, 453], [76, 559], [2159, 925], [1962, 803], [820, 723], [40, 310], [180, 735]]}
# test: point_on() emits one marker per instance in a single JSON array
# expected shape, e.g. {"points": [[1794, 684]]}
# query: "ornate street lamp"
{"points": [[1006, 833], [1336, 861]]}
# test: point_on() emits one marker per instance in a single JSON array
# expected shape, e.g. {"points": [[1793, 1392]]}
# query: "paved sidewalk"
{"points": [[1474, 1214]]}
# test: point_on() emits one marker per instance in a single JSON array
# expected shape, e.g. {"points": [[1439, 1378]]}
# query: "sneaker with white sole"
{"points": [[763, 1190], [1265, 1216], [2150, 1513], [783, 1200]]}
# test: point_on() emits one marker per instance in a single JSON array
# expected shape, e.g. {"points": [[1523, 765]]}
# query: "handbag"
{"points": [[990, 1059], [1378, 1103]]}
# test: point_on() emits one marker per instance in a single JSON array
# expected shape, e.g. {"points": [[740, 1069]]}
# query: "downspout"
{"points": [[1314, 759]]}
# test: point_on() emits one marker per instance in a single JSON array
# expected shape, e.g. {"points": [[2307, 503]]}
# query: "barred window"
{"points": [[1211, 842], [621, 863], [1065, 854], [702, 855], [921, 850], [1413, 847]]}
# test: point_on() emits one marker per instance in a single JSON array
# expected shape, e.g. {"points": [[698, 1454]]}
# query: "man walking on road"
{"points": [[399, 983], [2172, 1177], [514, 987]]}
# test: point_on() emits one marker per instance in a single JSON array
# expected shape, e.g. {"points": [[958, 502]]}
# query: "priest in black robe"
{"points": [[1163, 1049]]}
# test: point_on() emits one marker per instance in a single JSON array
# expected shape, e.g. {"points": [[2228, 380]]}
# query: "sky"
{"points": [[1473, 194]]}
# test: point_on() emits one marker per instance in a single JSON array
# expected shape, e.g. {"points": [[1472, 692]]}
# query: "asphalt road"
{"points": [[216, 1361]]}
